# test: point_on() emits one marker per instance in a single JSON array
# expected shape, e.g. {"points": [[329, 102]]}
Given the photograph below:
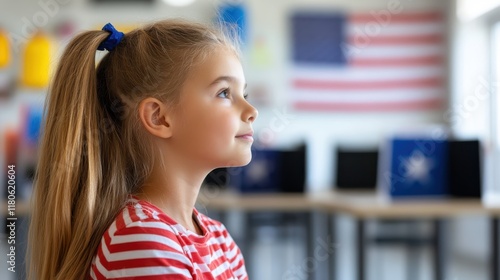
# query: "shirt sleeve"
{"points": [[144, 249]]}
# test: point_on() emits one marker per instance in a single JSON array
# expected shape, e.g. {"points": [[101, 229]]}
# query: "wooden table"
{"points": [[362, 205], [248, 203], [368, 205], [252, 202], [494, 214]]}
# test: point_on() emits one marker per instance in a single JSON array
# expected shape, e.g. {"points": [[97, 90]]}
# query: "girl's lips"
{"points": [[247, 137]]}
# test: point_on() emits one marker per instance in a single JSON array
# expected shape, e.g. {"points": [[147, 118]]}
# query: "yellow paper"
{"points": [[36, 62], [4, 49]]}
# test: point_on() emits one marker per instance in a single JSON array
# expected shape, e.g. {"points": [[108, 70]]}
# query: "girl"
{"points": [[124, 152]]}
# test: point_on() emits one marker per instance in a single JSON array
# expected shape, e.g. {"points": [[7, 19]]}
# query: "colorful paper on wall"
{"points": [[261, 54], [12, 140], [32, 123], [235, 15], [5, 51], [36, 62]]}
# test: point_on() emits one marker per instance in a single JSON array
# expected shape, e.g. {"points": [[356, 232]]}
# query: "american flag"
{"points": [[364, 62]]}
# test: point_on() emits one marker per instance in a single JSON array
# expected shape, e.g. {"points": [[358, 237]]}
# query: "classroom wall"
{"points": [[277, 123]]}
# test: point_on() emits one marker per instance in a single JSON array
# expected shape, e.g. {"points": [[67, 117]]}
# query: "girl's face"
{"points": [[214, 113]]}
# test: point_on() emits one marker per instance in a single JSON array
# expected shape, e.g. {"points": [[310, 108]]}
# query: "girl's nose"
{"points": [[250, 114]]}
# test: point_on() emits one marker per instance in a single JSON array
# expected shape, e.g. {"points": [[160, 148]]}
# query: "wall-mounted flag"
{"points": [[368, 62]]}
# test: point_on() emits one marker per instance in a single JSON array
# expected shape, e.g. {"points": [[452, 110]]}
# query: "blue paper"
{"points": [[33, 124], [235, 14]]}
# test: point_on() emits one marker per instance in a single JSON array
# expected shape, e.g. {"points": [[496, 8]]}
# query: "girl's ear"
{"points": [[155, 117]]}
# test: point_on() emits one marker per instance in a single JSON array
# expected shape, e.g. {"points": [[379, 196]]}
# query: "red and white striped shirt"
{"points": [[144, 243]]}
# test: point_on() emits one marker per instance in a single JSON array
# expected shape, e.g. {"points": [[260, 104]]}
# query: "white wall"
{"points": [[473, 87]]}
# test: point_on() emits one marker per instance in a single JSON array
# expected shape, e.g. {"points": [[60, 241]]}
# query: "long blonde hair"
{"points": [[93, 151]]}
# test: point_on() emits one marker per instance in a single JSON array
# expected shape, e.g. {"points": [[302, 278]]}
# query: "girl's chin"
{"points": [[241, 161]]}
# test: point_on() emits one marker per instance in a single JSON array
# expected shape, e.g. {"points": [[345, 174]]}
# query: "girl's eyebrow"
{"points": [[229, 79]]}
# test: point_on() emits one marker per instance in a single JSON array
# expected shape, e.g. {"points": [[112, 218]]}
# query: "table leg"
{"points": [[360, 228], [494, 249], [309, 224], [412, 271], [332, 264], [439, 257]]}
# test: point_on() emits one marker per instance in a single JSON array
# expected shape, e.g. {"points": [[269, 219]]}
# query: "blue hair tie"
{"points": [[113, 39]]}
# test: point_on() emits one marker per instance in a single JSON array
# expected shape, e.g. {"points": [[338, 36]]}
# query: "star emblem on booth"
{"points": [[417, 167]]}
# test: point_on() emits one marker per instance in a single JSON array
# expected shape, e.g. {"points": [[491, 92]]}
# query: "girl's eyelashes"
{"points": [[225, 92]]}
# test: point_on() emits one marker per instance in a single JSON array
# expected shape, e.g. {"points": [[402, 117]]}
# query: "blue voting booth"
{"points": [[271, 170], [416, 167]]}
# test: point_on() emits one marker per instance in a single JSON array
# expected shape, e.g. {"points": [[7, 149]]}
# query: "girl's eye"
{"points": [[225, 93], [245, 96]]}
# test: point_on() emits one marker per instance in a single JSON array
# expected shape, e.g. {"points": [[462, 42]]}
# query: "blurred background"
{"points": [[347, 92]]}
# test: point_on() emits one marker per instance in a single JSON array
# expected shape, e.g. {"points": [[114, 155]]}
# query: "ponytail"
{"points": [[80, 183]]}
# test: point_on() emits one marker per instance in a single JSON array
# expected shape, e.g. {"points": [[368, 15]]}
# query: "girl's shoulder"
{"points": [[140, 217], [138, 238], [138, 211], [206, 220], [216, 228]]}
